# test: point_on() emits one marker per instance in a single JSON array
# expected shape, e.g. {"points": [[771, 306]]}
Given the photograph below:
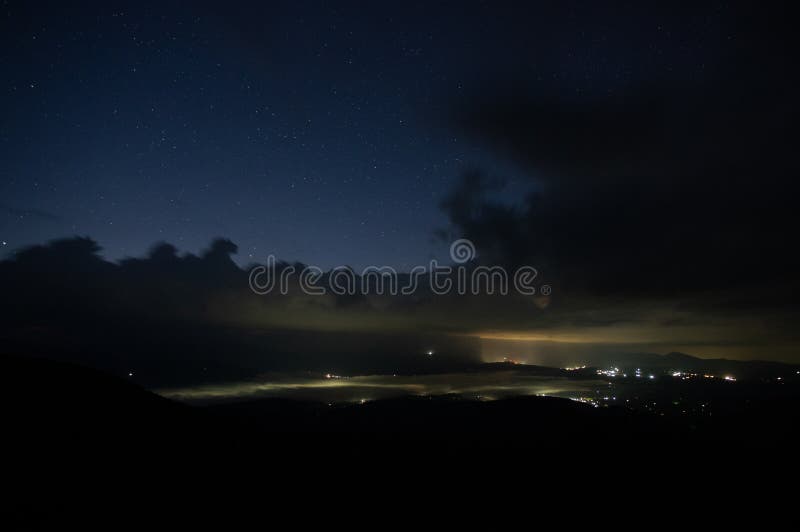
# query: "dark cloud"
{"points": [[175, 318], [180, 318], [672, 188]]}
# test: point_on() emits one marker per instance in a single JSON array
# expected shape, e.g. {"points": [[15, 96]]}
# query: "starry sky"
{"points": [[308, 131], [640, 156], [318, 132]]}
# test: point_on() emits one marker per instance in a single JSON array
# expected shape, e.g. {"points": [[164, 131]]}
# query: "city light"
{"points": [[612, 372]]}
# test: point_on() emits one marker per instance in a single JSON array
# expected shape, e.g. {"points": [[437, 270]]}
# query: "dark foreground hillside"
{"points": [[75, 434]]}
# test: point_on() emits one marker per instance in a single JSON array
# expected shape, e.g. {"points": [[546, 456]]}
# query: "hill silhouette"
{"points": [[100, 437]]}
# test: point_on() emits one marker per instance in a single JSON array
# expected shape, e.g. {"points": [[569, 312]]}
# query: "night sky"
{"points": [[318, 132], [315, 132], [642, 158]]}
